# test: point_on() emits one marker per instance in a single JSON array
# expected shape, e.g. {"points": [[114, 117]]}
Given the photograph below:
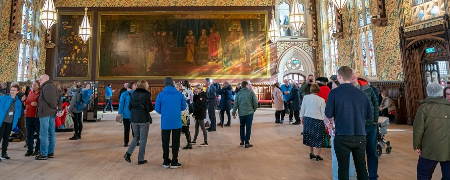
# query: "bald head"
{"points": [[43, 78]]}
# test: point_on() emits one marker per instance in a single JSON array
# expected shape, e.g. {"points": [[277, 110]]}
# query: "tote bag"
{"points": [[69, 121]]}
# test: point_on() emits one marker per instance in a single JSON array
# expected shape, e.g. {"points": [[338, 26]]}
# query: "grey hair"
{"points": [[168, 81], [434, 90]]}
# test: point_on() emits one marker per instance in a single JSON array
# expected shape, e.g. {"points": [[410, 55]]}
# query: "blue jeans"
{"points": [[371, 151], [47, 135], [246, 128], [334, 164], [425, 169], [108, 104], [32, 125]]}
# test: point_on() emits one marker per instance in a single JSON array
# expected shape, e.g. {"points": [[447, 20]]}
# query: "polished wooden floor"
{"points": [[278, 154]]}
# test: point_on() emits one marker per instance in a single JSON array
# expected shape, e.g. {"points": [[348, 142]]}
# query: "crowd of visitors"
{"points": [[340, 112]]}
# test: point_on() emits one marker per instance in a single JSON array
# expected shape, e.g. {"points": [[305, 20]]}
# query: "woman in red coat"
{"points": [[324, 89]]}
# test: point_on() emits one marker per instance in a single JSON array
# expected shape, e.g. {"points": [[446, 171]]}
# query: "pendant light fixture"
{"points": [[48, 15], [85, 27]]}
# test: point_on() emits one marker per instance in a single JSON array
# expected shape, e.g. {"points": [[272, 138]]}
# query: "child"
{"points": [[185, 129], [199, 106]]}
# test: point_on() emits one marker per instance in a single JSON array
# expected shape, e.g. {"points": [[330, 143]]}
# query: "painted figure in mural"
{"points": [[189, 41], [172, 42], [213, 45], [202, 50], [165, 46], [235, 44]]}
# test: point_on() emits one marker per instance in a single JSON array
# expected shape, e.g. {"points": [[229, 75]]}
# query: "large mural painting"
{"points": [[183, 44]]}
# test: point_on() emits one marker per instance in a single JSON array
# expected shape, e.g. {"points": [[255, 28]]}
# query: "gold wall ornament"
{"points": [[15, 20]]}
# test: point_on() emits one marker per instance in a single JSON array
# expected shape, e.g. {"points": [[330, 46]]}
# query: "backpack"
{"points": [[79, 103]]}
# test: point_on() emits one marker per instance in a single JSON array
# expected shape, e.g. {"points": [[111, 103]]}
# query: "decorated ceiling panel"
{"points": [[153, 3]]}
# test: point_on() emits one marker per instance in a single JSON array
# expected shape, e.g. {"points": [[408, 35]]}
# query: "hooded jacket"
{"points": [[431, 132], [169, 103], [124, 104], [226, 99], [5, 103], [200, 105], [246, 102]]}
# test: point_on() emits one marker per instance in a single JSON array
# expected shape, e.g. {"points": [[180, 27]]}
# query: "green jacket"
{"points": [[432, 129], [373, 99], [246, 102]]}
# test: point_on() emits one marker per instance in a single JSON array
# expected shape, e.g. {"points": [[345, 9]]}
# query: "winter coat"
{"points": [[324, 92], [48, 100], [5, 103], [141, 106], [74, 107], [108, 92], [286, 88], [200, 105], [246, 102], [277, 97], [31, 111], [226, 98], [373, 99], [169, 103], [295, 99], [431, 132], [124, 104]]}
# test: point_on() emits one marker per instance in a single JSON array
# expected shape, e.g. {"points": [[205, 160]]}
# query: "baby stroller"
{"points": [[383, 123]]}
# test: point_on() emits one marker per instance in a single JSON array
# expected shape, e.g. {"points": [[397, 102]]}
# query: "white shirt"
{"points": [[313, 106]]}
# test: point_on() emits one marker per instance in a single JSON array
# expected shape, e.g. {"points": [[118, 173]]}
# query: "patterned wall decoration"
{"points": [[285, 48], [8, 49], [152, 3], [386, 41]]}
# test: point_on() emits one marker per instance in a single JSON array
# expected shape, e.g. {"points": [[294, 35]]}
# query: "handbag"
{"points": [[69, 121], [326, 143], [119, 118]]}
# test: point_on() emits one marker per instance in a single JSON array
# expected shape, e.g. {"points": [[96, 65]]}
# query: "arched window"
{"points": [[329, 47], [29, 49], [366, 39], [283, 10]]}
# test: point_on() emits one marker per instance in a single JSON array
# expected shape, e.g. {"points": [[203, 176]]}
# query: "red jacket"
{"points": [[323, 93], [30, 111]]}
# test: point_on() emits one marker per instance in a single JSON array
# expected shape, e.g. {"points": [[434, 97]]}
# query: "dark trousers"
{"points": [[287, 107], [77, 124], [108, 104], [222, 116], [344, 145], [165, 137], [371, 151], [278, 116], [187, 133], [425, 169], [246, 128], [32, 125], [212, 113], [5, 132], [296, 116], [200, 123], [126, 131]]}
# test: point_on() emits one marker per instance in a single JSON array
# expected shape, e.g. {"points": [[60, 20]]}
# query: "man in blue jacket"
{"points": [[10, 112], [108, 98], [125, 112], [169, 103]]}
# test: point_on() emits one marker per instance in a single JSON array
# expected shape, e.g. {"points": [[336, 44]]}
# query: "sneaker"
{"points": [[166, 164], [187, 147], [29, 153], [175, 165], [194, 142], [125, 145], [36, 153], [51, 155], [242, 144], [248, 146], [142, 162], [127, 157], [40, 157], [5, 157], [205, 144]]}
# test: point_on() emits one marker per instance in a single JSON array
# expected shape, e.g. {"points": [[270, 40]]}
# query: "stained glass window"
{"points": [[366, 39], [29, 49], [283, 10], [329, 47]]}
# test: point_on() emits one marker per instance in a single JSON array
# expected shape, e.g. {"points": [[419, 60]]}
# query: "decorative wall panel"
{"points": [[8, 49], [386, 41], [159, 3]]}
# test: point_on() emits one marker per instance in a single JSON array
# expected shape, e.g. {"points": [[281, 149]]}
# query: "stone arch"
{"points": [[294, 52]]}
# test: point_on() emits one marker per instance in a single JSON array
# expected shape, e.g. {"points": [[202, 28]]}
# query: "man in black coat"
{"points": [[200, 105], [295, 103]]}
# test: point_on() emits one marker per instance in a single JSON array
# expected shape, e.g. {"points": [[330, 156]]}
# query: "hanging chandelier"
{"points": [[85, 27], [274, 32], [48, 14], [296, 16]]}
